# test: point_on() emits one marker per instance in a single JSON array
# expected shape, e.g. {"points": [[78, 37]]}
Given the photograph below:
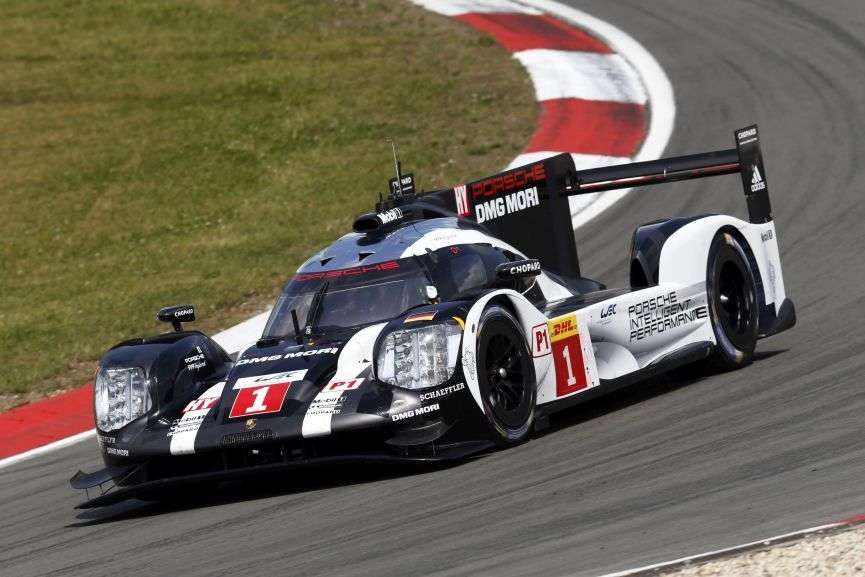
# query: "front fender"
{"points": [[528, 317]]}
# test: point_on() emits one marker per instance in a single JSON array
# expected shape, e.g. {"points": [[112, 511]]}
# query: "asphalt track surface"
{"points": [[683, 465]]}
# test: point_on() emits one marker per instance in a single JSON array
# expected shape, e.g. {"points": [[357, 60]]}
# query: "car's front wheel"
{"points": [[506, 377]]}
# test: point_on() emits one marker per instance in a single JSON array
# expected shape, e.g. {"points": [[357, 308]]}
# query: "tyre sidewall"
{"points": [[496, 319], [731, 351]]}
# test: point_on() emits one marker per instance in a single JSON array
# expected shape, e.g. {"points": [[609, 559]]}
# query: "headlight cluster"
{"points": [[419, 358], [121, 395]]}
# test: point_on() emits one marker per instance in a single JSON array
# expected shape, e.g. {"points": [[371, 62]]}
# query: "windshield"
{"points": [[352, 297], [361, 295]]}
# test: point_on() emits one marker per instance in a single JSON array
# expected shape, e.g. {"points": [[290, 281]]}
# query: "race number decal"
{"points": [[259, 400], [262, 394], [564, 334]]}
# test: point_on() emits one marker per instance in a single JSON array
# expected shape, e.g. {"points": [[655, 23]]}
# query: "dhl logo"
{"points": [[563, 327]]}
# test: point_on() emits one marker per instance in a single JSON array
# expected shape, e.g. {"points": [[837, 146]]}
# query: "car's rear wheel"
{"points": [[732, 295], [506, 377]]}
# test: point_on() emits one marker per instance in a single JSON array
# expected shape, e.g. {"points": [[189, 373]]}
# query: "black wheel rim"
{"points": [[504, 367], [734, 304]]}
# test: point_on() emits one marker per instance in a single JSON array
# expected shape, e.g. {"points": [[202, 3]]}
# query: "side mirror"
{"points": [[518, 269], [176, 315]]}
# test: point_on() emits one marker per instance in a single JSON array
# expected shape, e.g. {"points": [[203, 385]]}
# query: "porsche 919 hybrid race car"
{"points": [[446, 324]]}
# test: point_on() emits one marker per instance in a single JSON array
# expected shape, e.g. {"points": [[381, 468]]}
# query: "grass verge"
{"points": [[162, 152]]}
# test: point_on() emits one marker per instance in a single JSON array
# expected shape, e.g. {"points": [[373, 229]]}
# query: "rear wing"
{"points": [[746, 159], [528, 207]]}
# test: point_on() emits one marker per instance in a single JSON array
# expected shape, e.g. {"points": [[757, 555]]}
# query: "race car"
{"points": [[448, 323]]}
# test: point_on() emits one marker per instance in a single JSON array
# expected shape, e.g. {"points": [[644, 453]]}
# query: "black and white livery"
{"points": [[446, 324]]}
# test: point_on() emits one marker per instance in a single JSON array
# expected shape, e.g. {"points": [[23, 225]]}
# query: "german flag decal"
{"points": [[420, 317]]}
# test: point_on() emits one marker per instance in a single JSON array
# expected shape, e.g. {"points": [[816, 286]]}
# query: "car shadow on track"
{"points": [[643, 391], [327, 477], [313, 479]]}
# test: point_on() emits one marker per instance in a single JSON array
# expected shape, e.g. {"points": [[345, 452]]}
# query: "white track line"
{"points": [[723, 552], [457, 7], [659, 94], [49, 448]]}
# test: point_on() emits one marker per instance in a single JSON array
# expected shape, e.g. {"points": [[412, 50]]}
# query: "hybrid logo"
{"points": [[201, 404], [462, 200], [757, 182], [197, 361]]}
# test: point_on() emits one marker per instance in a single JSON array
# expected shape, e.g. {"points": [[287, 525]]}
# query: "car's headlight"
{"points": [[120, 396], [419, 358]]}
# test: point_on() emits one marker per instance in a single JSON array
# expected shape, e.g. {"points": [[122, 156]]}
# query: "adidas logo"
{"points": [[757, 182]]}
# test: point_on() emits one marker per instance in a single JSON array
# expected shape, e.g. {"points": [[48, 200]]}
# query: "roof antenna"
{"points": [[397, 166]]}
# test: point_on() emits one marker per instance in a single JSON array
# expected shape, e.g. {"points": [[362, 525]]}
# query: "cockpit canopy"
{"points": [[379, 291]]}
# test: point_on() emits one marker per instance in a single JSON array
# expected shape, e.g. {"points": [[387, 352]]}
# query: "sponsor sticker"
{"points": [[196, 361], [564, 333], [661, 313], [540, 341], [343, 384], [406, 183], [508, 204], [415, 412], [292, 355], [105, 440], [757, 182], [443, 392], [344, 272], [184, 430], [389, 216], [519, 178]]}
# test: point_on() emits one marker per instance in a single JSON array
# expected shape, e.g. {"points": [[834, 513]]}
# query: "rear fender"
{"points": [[684, 259]]}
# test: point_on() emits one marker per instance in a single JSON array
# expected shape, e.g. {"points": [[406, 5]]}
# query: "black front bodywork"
{"points": [[369, 421]]}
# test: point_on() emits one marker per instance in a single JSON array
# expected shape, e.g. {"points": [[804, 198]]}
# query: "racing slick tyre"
{"points": [[732, 295], [506, 377]]}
